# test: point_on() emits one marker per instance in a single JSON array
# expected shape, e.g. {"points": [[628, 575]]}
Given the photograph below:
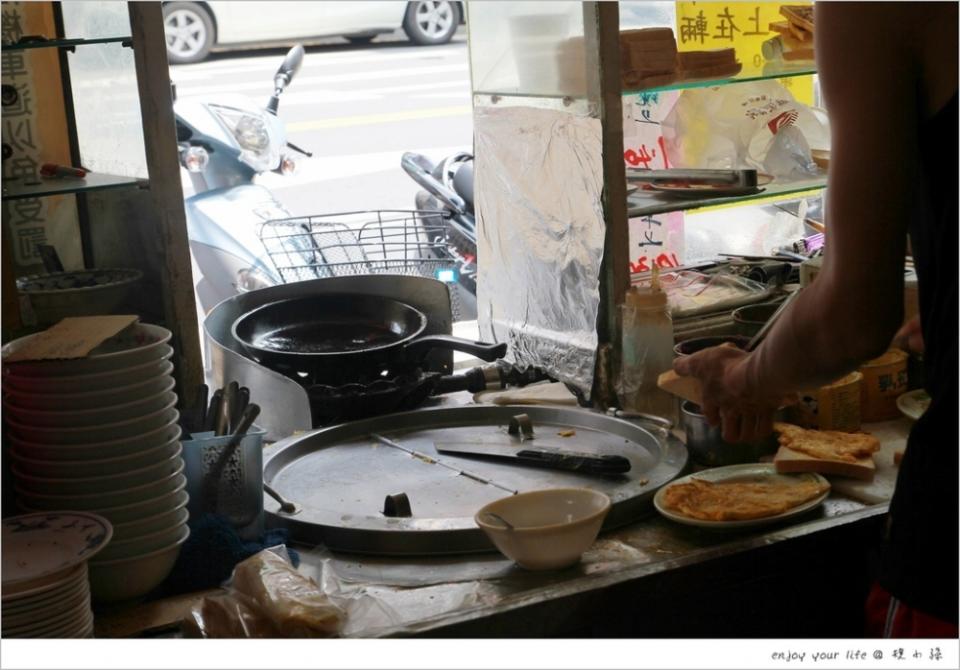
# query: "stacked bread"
{"points": [[794, 41], [712, 64], [648, 58]]}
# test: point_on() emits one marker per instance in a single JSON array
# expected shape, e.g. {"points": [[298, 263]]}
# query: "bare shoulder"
{"points": [[901, 44]]}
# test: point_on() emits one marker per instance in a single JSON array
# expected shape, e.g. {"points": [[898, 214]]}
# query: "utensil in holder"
{"points": [[240, 488]]}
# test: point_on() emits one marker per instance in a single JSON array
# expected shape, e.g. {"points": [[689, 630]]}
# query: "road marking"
{"points": [[329, 168], [378, 119], [202, 71], [301, 82], [462, 88]]}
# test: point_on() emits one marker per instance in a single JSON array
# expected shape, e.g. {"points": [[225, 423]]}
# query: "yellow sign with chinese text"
{"points": [[744, 26]]}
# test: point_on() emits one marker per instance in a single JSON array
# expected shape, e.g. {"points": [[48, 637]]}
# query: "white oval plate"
{"points": [[38, 546], [745, 471], [913, 404], [46, 589]]}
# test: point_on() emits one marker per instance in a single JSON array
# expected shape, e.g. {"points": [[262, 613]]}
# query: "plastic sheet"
{"points": [[753, 125], [267, 597], [540, 237]]}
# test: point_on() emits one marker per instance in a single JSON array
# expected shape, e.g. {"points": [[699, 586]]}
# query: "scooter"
{"points": [[449, 191], [223, 145]]}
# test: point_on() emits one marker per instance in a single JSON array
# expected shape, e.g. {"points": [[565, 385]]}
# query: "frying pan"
{"points": [[341, 336]]}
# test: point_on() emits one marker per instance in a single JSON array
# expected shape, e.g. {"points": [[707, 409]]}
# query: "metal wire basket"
{"points": [[406, 242]]}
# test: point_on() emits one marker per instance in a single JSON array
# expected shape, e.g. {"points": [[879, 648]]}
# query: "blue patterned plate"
{"points": [[37, 547]]}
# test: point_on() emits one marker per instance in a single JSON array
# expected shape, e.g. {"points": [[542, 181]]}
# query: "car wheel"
{"points": [[431, 22], [189, 31]]}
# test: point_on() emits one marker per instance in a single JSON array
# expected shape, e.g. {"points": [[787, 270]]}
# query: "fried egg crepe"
{"points": [[737, 501], [827, 444]]}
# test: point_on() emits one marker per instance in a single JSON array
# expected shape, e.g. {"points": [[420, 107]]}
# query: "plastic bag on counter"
{"points": [[266, 597], [751, 125]]}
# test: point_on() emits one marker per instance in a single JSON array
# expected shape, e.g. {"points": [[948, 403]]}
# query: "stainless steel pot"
{"points": [[750, 319], [696, 344], [707, 447]]}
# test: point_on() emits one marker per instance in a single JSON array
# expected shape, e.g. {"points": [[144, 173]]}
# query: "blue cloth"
{"points": [[209, 555]]}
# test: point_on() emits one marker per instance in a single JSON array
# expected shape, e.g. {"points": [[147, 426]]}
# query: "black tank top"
{"points": [[920, 563]]}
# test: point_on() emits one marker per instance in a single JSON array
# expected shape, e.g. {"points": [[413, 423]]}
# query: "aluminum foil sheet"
{"points": [[540, 237]]}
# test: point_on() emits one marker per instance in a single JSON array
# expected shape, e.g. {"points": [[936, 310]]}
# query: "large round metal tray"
{"points": [[339, 476]]}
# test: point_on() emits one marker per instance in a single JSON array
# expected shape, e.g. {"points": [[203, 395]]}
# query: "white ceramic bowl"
{"points": [[88, 418], [56, 402], [95, 467], [98, 450], [144, 544], [137, 344], [130, 530], [551, 528], [94, 434], [100, 501], [150, 507], [101, 381], [71, 486], [127, 578]]}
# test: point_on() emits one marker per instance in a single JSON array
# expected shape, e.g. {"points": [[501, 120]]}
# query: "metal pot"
{"points": [[707, 447], [696, 344], [340, 336], [750, 319]]}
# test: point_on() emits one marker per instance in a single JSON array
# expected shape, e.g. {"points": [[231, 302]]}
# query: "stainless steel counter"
{"points": [[653, 578]]}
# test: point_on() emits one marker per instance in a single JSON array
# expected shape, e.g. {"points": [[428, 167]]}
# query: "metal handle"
{"points": [[418, 349], [659, 421]]}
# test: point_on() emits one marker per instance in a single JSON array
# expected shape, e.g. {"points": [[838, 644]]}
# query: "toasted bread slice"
{"points": [[788, 460], [799, 15]]}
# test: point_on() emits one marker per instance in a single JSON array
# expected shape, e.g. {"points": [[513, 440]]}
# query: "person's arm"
{"points": [[849, 314]]}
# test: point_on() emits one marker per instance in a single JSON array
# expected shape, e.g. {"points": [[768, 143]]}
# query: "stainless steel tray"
{"points": [[340, 476]]}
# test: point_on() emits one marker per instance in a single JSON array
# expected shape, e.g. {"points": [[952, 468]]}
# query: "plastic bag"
{"points": [[750, 125], [266, 597]]}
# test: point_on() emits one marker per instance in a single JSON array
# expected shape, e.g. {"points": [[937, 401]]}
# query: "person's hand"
{"points": [[744, 415], [910, 336]]}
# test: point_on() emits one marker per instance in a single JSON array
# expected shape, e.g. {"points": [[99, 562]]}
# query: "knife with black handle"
{"points": [[555, 459]]}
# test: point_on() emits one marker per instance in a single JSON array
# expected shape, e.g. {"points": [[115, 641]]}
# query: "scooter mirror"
{"points": [[290, 66]]}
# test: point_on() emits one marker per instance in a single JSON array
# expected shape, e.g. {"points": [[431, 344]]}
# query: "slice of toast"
{"points": [[799, 15], [789, 461]]}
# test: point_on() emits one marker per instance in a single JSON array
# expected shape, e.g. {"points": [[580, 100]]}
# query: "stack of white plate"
{"points": [[100, 434], [45, 588]]}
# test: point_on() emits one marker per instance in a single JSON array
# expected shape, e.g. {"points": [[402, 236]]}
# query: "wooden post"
{"points": [[601, 24], [163, 163]]}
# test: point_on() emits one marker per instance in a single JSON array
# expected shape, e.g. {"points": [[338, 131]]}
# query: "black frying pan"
{"points": [[334, 333]]}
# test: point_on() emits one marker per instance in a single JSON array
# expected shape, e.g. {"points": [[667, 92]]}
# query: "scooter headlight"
{"points": [[252, 133], [251, 279]]}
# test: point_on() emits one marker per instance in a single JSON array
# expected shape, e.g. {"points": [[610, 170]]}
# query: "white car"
{"points": [[194, 29]]}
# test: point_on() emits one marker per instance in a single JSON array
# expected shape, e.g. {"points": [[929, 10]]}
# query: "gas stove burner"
{"points": [[353, 401]]}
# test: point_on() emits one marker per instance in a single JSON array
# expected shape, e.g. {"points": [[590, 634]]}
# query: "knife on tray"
{"points": [[555, 459]]}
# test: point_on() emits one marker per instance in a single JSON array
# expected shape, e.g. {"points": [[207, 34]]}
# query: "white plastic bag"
{"points": [[751, 125]]}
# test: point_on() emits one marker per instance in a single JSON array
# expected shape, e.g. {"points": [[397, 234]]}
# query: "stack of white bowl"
{"points": [[45, 588], [101, 434]]}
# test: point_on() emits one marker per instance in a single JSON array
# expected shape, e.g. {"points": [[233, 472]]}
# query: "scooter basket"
{"points": [[408, 242]]}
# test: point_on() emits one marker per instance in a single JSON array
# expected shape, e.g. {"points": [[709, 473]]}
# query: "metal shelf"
{"points": [[69, 44], [19, 189], [643, 203]]}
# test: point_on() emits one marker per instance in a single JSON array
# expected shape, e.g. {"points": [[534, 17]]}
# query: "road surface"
{"points": [[357, 109]]}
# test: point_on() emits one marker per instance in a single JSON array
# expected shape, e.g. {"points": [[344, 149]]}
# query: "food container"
{"points": [[696, 344], [750, 319], [240, 496], [707, 447], [835, 406], [884, 379]]}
